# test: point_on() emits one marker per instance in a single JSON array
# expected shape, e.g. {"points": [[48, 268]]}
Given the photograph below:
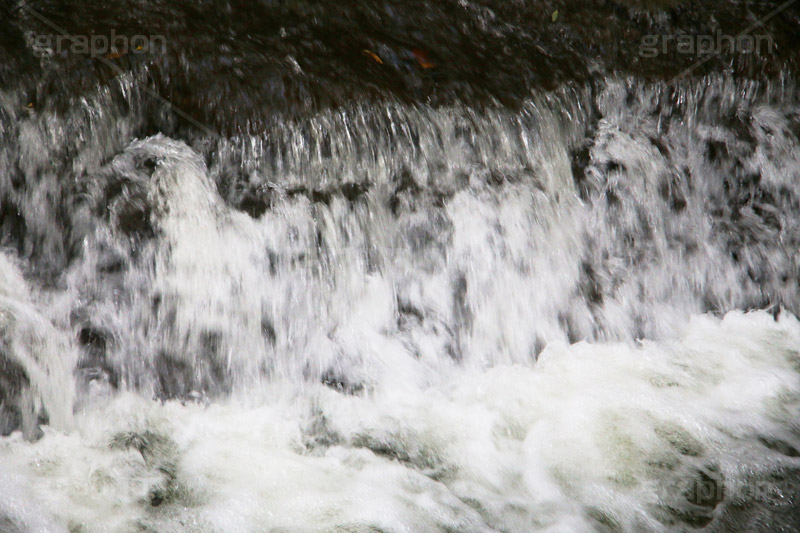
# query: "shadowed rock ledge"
{"points": [[232, 65]]}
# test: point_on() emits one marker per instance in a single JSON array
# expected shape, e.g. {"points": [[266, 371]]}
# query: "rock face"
{"points": [[15, 383], [35, 363], [232, 67]]}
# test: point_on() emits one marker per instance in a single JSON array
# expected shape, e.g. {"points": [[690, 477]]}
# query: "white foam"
{"points": [[591, 432]]}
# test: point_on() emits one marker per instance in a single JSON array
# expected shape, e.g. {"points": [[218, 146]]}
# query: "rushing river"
{"points": [[446, 304]]}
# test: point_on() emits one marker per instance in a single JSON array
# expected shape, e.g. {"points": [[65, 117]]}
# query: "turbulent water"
{"points": [[572, 314]]}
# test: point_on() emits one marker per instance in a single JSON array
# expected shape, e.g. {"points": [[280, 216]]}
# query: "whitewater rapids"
{"points": [[593, 436]]}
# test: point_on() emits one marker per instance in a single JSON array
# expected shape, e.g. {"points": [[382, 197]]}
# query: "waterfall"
{"points": [[572, 313]]}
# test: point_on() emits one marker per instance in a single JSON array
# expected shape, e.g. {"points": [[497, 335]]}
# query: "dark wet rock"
{"points": [[134, 219], [256, 202], [113, 264], [146, 163], [341, 383], [539, 344], [780, 446], [461, 307], [13, 377], [580, 160], [408, 449], [691, 498], [660, 146], [125, 199], [211, 344], [10, 525], [717, 152], [181, 378], [404, 181], [569, 327], [94, 340], [590, 285], [408, 316], [12, 226], [612, 198], [610, 167], [301, 57], [765, 502], [352, 192], [604, 521], [17, 407], [268, 331], [94, 363], [707, 489], [10, 418], [150, 444], [671, 191], [160, 455], [319, 433]]}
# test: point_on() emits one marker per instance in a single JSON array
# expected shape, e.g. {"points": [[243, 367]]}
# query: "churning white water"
{"points": [[593, 436], [414, 319]]}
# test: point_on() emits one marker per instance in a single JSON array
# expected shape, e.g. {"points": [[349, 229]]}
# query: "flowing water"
{"points": [[572, 314]]}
